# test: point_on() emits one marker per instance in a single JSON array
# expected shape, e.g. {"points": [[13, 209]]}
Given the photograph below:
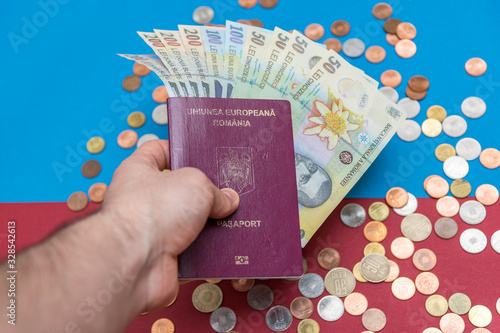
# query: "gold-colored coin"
{"points": [[207, 297], [432, 127], [95, 145], [436, 305], [374, 247], [357, 273], [480, 316], [459, 303], [443, 151], [378, 211], [136, 119], [163, 325], [308, 326], [460, 188], [436, 112]]}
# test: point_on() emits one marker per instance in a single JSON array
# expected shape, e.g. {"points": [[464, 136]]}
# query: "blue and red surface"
{"points": [[61, 84]]}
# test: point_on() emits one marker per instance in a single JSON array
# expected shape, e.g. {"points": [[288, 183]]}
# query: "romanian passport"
{"points": [[246, 145]]}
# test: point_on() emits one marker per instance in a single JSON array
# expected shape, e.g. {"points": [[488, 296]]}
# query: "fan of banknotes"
{"points": [[341, 121]]}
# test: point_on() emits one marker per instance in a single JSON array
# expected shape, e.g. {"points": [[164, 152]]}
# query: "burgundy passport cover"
{"points": [[247, 145]]}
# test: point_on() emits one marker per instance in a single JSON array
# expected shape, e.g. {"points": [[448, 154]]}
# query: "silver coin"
{"points": [[311, 285], [411, 106], [223, 320], [456, 167], [203, 15], [472, 212], [340, 282], [390, 93], [446, 227], [330, 308], [454, 126], [260, 297], [353, 47], [353, 215], [409, 208], [473, 240], [468, 148], [160, 115], [278, 318], [495, 241], [375, 267], [416, 227], [409, 130], [473, 107], [146, 138]]}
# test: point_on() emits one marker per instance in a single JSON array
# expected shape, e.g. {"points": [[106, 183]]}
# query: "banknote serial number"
{"points": [[11, 272]]}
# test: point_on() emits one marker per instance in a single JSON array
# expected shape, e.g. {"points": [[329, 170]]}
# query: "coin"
{"points": [[456, 167], [341, 28], [403, 288], [243, 21], [333, 44], [278, 318], [402, 248], [480, 330], [447, 206], [314, 31], [415, 95], [472, 212], [382, 11], [247, 4], [268, 4], [140, 70], [374, 247], [446, 228], [393, 272], [355, 304], [353, 215], [390, 78], [96, 192], [91, 168], [163, 325], [459, 303], [127, 139], [475, 66], [77, 201], [416, 227], [392, 39], [145, 138], [391, 25], [409, 208], [375, 267], [353, 47], [203, 14], [308, 326], [223, 320], [417, 83], [487, 194], [160, 94], [406, 48], [432, 330], [454, 126], [375, 54], [374, 319], [412, 107], [427, 283], [495, 241], [498, 306], [160, 115], [207, 297], [340, 282], [242, 285], [473, 107], [356, 271], [378, 211], [406, 30], [257, 23], [390, 93], [301, 307], [460, 188], [437, 187], [480, 316], [213, 280], [436, 112], [490, 158], [468, 148], [451, 322], [443, 151], [396, 197], [330, 308], [95, 145], [311, 285], [424, 260], [375, 231], [328, 258], [260, 297], [436, 305], [131, 83], [431, 127], [473, 240], [136, 119]]}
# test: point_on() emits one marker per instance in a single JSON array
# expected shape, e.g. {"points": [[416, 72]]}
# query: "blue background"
{"points": [[61, 82]]}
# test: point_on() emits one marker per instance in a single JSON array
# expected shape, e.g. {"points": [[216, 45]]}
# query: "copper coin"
{"points": [[392, 39], [375, 231], [375, 54], [427, 283], [406, 48], [163, 325], [214, 281], [418, 83], [247, 3], [333, 44], [91, 168], [171, 302], [475, 66], [243, 21], [437, 187], [140, 69], [242, 285], [77, 201], [490, 158], [402, 248], [96, 192], [301, 307], [374, 319], [382, 11], [314, 31], [268, 4], [127, 139], [487, 194], [406, 30], [257, 23], [160, 94], [403, 288], [447, 206], [393, 272], [131, 83], [418, 96], [426, 181], [424, 260], [451, 322], [446, 228], [328, 258], [355, 304], [391, 25], [396, 197], [340, 28], [390, 78]]}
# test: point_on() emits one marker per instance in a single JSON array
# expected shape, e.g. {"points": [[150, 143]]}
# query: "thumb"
{"points": [[225, 203]]}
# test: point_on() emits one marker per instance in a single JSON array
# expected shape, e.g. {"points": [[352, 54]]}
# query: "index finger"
{"points": [[155, 153]]}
